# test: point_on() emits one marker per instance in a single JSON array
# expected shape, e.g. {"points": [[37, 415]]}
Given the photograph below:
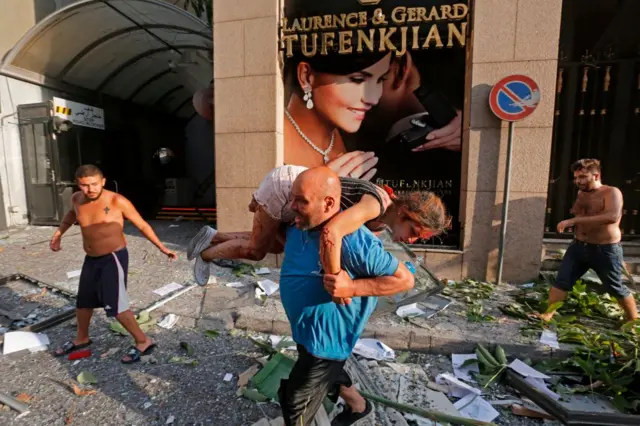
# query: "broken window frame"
{"points": [[47, 322], [565, 415]]}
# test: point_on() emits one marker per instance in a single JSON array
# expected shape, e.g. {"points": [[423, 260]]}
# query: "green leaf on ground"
{"points": [[187, 347], [212, 334], [87, 378], [183, 360]]}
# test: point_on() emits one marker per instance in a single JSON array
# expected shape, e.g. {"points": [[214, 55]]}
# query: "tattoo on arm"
{"points": [[106, 210]]}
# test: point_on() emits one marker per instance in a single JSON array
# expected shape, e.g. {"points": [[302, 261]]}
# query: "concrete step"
{"points": [[553, 251]]}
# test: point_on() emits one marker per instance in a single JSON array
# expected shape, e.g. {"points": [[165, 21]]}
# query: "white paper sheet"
{"points": [[263, 271], [168, 321], [526, 371], [236, 284], [411, 310], [374, 349], [275, 341], [169, 288], [474, 407], [15, 341], [549, 338], [457, 389], [73, 274], [268, 286], [464, 373], [212, 280], [542, 387], [228, 377]]}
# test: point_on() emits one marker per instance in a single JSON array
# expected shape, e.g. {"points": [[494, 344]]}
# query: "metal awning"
{"points": [[145, 51]]}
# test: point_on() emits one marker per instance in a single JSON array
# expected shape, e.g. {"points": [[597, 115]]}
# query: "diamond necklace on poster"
{"points": [[325, 153]]}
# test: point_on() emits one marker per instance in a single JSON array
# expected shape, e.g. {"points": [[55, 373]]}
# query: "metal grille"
{"points": [[597, 116]]}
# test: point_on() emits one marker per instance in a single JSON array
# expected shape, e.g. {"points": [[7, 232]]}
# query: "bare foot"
{"points": [[543, 317]]}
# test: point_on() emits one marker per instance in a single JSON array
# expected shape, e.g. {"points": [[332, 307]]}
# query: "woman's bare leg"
{"points": [[265, 230], [221, 237]]}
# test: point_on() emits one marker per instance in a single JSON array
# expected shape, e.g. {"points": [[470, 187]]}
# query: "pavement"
{"points": [[150, 394], [217, 306]]}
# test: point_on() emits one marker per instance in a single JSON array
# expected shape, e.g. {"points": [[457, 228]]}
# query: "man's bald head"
{"points": [[315, 197]]}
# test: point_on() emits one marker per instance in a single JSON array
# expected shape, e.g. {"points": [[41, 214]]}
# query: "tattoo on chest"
{"points": [[106, 210]]}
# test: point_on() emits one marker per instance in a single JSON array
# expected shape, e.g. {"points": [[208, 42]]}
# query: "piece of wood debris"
{"points": [[243, 378], [24, 397], [519, 410]]}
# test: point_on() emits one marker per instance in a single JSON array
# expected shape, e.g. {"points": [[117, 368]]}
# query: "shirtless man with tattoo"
{"points": [[597, 212], [103, 281]]}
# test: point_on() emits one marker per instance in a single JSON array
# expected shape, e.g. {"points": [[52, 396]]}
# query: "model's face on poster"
{"points": [[344, 100], [385, 80]]}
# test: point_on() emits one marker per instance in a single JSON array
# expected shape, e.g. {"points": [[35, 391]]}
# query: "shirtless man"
{"points": [[596, 246], [103, 280]]}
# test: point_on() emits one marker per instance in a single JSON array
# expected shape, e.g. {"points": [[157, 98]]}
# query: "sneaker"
{"points": [[201, 271], [349, 418], [200, 242]]}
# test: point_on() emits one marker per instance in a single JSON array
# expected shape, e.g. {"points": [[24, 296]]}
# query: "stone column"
{"points": [[248, 104], [510, 37]]}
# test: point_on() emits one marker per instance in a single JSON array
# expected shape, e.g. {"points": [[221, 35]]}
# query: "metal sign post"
{"points": [[511, 99]]}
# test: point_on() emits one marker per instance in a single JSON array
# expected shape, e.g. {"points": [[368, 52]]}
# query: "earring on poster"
{"points": [[307, 97]]}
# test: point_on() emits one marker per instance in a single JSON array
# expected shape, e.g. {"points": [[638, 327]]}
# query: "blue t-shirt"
{"points": [[326, 329]]}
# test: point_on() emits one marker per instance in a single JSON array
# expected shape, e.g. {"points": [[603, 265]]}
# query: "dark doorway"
{"points": [[48, 193], [597, 102]]}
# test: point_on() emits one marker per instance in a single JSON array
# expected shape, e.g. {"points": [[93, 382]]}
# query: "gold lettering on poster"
{"points": [[305, 48], [327, 41], [459, 35], [385, 41], [434, 35], [345, 42], [363, 39], [371, 30]]}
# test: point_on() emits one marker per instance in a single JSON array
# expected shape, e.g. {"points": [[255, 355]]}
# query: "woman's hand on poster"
{"points": [[355, 164], [447, 137]]}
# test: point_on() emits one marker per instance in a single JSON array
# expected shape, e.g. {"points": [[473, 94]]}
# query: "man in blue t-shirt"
{"points": [[324, 331]]}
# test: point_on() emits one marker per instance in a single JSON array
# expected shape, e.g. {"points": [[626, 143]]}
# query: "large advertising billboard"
{"points": [[380, 82]]}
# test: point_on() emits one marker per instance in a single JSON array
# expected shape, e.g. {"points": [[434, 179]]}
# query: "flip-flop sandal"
{"points": [[134, 354], [69, 347]]}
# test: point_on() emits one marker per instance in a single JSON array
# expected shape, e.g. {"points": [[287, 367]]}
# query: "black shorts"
{"points": [[310, 381], [606, 260], [103, 283]]}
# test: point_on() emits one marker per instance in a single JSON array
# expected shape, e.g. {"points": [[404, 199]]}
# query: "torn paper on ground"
{"points": [[464, 373], [282, 342], [168, 321], [457, 389], [410, 311], [268, 286], [228, 377], [169, 288], [475, 407], [263, 271], [542, 387], [374, 349], [16, 341], [236, 284], [549, 338], [73, 274], [526, 371]]}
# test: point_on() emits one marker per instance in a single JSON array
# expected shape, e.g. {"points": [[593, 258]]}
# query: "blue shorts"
{"points": [[605, 259], [103, 283]]}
